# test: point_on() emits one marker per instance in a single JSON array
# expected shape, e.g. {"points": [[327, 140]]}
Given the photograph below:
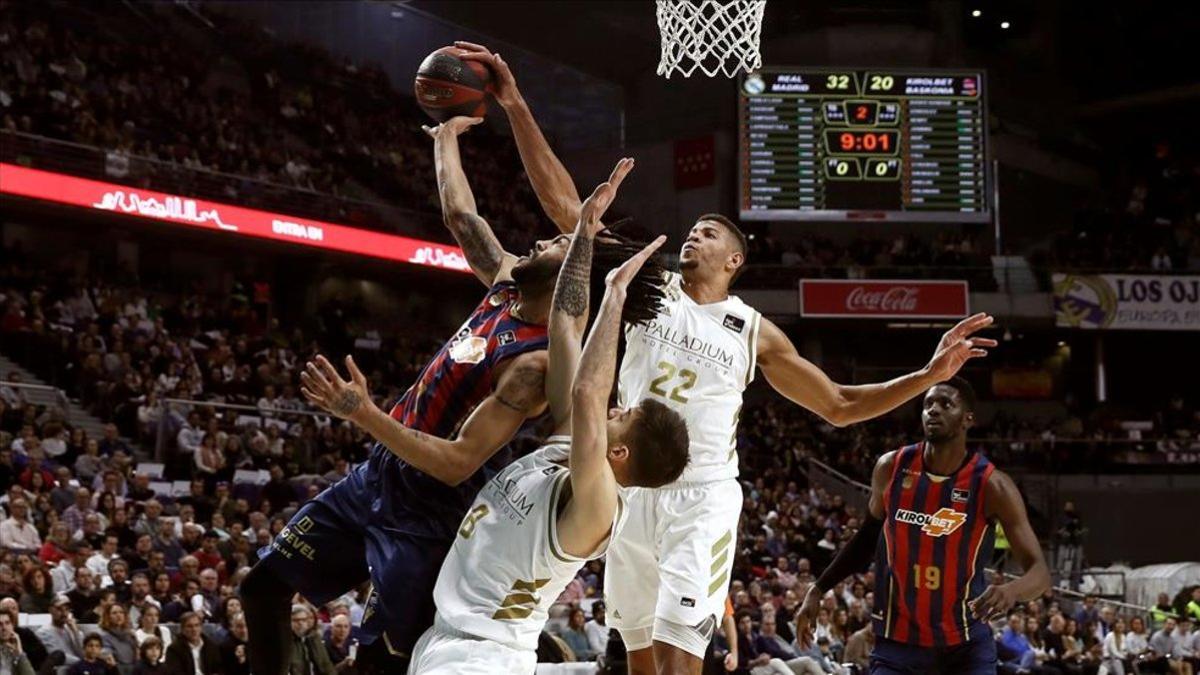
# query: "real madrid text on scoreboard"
{"points": [[826, 144]]}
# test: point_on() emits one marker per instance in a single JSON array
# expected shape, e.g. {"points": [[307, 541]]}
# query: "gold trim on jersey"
{"points": [[552, 520], [753, 347], [522, 601], [720, 554]]}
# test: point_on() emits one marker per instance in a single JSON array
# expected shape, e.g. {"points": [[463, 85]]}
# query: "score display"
{"points": [[833, 144]]}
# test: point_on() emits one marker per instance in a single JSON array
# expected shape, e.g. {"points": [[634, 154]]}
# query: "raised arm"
{"points": [[551, 183], [588, 517], [803, 383], [519, 394], [487, 259], [569, 310], [1002, 501]]}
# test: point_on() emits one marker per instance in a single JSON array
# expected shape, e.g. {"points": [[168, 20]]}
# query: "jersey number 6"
{"points": [[687, 377]]}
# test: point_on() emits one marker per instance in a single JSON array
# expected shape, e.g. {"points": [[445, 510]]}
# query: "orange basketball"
{"points": [[448, 86]]}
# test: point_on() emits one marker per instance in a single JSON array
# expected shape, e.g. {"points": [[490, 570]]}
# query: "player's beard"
{"points": [[536, 272]]}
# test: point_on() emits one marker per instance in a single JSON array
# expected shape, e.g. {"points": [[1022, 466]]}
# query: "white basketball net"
{"points": [[711, 35]]}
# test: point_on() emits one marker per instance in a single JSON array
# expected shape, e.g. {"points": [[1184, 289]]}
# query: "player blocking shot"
{"points": [[534, 525], [393, 519], [930, 527], [667, 575]]}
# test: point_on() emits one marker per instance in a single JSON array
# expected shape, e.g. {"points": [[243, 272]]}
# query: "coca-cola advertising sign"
{"points": [[883, 299], [224, 219]]}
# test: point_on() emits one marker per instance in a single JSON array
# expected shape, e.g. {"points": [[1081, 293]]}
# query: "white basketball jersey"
{"points": [[506, 568], [697, 359]]}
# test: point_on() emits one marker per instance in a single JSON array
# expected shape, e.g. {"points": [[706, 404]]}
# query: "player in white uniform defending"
{"points": [[535, 524], [668, 573]]}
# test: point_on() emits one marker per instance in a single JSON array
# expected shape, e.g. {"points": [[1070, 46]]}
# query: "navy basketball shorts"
{"points": [[974, 657], [332, 544]]}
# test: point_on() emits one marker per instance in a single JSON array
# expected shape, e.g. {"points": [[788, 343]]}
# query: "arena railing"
{"points": [[50, 154], [183, 406], [43, 395]]}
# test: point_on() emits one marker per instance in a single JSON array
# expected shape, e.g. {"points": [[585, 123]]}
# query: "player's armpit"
{"points": [[1003, 501], [522, 386]]}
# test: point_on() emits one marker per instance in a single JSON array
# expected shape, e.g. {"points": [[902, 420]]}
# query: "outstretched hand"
{"points": [[621, 277], [504, 86], [454, 126], [602, 197], [324, 387], [957, 346]]}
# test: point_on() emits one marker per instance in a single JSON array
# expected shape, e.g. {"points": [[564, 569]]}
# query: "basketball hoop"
{"points": [[712, 35]]}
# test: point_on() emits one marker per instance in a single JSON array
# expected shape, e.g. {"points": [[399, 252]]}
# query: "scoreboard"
{"points": [[831, 144]]}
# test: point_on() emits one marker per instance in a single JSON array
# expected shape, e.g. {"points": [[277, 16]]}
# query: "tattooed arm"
{"points": [[519, 394], [487, 259], [569, 311]]}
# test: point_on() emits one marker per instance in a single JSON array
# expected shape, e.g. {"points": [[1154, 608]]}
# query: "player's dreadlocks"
{"points": [[644, 298]]}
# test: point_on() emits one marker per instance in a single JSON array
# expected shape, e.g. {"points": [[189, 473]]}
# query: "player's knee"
{"points": [[636, 639], [691, 639]]}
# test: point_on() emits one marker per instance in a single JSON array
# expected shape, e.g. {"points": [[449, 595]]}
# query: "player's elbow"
{"points": [[839, 415], [454, 473], [583, 391]]}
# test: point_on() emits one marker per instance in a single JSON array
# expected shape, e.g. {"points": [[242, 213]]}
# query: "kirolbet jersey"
{"points": [[697, 359], [506, 568], [935, 542]]}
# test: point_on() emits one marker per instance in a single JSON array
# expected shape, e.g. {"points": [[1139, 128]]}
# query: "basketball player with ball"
{"points": [[394, 517], [668, 574]]}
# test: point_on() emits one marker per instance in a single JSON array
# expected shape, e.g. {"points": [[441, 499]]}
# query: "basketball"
{"points": [[448, 86]]}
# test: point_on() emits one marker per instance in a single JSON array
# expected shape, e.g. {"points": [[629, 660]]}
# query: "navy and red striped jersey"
{"points": [[935, 542], [457, 379]]}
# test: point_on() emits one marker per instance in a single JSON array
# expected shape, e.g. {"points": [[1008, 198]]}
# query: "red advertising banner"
{"points": [[224, 219], [883, 299]]}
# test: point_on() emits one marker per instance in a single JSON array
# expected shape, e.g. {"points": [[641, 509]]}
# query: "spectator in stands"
{"points": [[94, 661], [149, 627], [309, 656], [1164, 649], [36, 477], [576, 637], [1161, 610], [1020, 653], [1115, 652], [57, 546], [338, 641], [1193, 606], [39, 591], [84, 596], [16, 532], [597, 629], [62, 634], [115, 634], [30, 644], [89, 464], [769, 642], [233, 651], [63, 493], [150, 658], [1188, 643], [99, 561], [192, 653]]}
